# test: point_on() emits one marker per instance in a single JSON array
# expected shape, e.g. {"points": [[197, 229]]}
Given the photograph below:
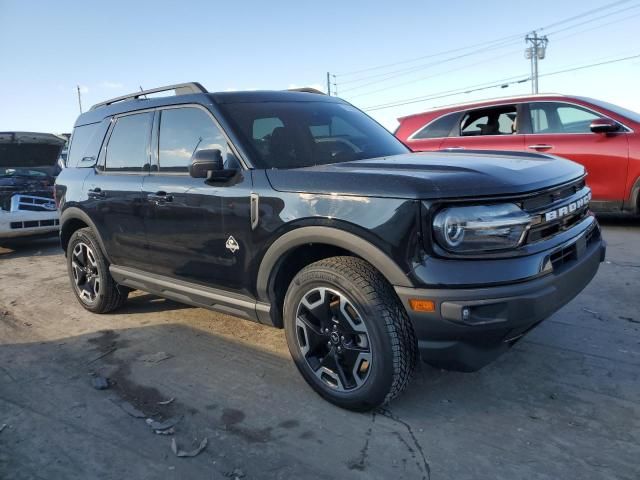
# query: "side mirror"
{"points": [[206, 162], [604, 125]]}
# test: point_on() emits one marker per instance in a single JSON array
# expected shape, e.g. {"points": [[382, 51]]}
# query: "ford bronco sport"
{"points": [[297, 210]]}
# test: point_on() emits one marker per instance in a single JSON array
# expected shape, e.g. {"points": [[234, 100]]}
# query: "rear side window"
{"points": [[85, 144], [184, 131], [128, 148], [490, 121], [438, 128]]}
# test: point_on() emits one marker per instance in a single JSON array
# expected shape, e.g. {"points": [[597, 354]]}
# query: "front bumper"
{"points": [[24, 223], [470, 327]]}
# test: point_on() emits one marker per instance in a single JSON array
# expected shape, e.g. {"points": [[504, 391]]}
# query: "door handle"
{"points": [[159, 198], [540, 146], [455, 148], [96, 192]]}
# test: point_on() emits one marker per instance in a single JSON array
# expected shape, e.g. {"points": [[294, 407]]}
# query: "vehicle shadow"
{"points": [[37, 247], [611, 219], [139, 302]]}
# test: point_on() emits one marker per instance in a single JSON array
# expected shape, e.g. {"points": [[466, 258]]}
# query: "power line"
{"points": [[583, 14], [501, 84], [396, 85], [402, 72], [596, 27], [445, 52], [594, 19], [591, 65], [491, 44], [448, 93]]}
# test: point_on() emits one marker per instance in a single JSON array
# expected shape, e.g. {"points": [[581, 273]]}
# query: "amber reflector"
{"points": [[422, 305]]}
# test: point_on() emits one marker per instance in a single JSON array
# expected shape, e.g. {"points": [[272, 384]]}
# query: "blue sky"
{"points": [[111, 48]]}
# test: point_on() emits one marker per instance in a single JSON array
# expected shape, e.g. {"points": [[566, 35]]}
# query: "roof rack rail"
{"points": [[306, 90], [178, 88]]}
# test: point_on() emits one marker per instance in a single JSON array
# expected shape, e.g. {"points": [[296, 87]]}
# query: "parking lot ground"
{"points": [[564, 403]]}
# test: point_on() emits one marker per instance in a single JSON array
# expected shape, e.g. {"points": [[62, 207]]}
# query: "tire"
{"points": [[89, 274], [348, 296]]}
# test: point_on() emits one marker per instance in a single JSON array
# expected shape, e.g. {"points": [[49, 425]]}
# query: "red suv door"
{"points": [[487, 128], [563, 129]]}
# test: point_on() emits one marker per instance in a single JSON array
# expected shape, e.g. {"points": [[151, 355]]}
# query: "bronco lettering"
{"points": [[566, 209]]}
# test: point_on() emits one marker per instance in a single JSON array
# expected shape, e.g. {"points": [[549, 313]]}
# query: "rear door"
{"points": [[563, 129], [487, 128], [114, 190]]}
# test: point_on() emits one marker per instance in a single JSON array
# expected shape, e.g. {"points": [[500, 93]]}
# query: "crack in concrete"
{"points": [[425, 464], [8, 375], [364, 451]]}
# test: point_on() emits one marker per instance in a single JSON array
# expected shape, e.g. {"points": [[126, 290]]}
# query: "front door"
{"points": [[196, 231], [563, 129], [114, 189]]}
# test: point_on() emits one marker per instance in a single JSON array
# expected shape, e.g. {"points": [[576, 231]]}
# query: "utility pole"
{"points": [[328, 84], [535, 52], [79, 98]]}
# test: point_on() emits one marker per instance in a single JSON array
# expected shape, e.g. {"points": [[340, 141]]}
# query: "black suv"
{"points": [[297, 210]]}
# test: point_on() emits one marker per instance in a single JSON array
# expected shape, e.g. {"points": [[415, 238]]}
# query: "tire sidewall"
{"points": [[378, 384], [86, 236]]}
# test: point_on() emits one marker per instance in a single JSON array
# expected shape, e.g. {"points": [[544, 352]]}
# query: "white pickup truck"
{"points": [[28, 168]]}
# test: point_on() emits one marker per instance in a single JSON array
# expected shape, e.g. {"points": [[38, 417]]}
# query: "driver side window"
{"points": [[184, 131], [551, 117]]}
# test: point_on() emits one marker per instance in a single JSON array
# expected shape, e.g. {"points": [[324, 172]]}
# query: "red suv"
{"points": [[601, 136]]}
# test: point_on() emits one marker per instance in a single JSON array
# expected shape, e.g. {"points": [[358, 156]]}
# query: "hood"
{"points": [[432, 175], [28, 149]]}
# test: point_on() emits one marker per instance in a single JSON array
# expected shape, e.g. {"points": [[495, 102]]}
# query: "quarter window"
{"points": [[550, 117], [85, 143], [128, 149], [183, 132], [437, 129]]}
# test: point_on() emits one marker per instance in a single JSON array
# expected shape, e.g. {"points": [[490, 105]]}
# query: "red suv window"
{"points": [[556, 117]]}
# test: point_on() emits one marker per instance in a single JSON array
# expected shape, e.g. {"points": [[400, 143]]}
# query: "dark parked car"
{"points": [[299, 211], [601, 136]]}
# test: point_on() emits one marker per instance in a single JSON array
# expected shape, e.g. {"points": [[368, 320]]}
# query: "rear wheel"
{"points": [[348, 333], [88, 270]]}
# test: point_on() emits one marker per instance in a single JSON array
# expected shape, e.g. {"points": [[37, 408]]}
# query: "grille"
{"points": [[569, 253], [564, 255], [551, 200], [32, 203], [34, 223], [545, 199]]}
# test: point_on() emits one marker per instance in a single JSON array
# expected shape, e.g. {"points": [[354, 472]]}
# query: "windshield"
{"points": [[21, 172], [303, 134], [623, 112]]}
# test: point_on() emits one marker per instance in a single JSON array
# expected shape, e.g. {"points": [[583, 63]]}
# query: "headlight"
{"points": [[480, 227]]}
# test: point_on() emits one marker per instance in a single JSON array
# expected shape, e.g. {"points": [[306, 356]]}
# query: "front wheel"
{"points": [[348, 333]]}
